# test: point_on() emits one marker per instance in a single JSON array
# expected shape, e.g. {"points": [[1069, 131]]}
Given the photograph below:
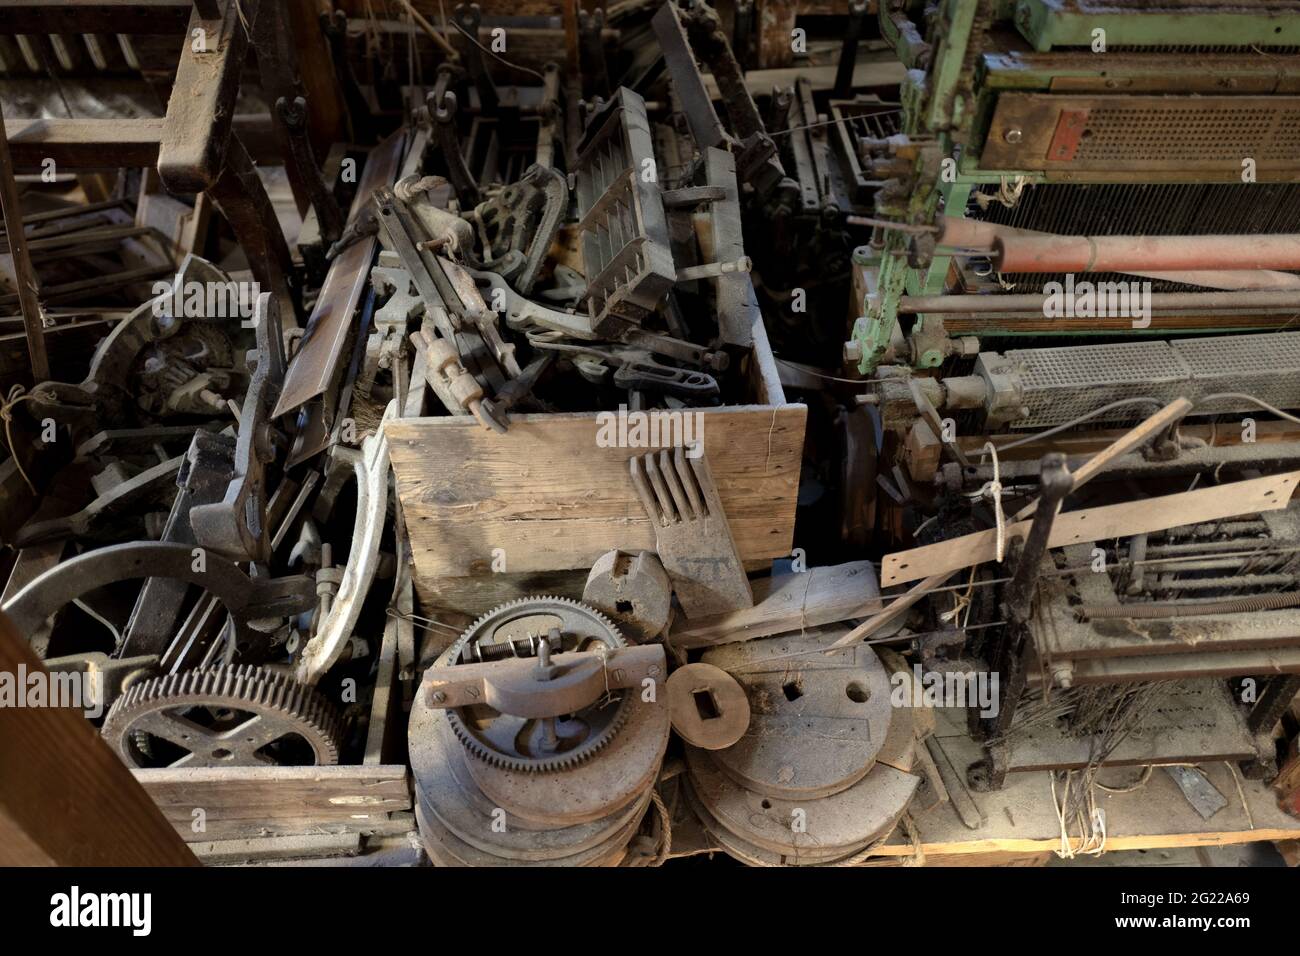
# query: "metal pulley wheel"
{"points": [[817, 720], [530, 740], [223, 717], [813, 781]]}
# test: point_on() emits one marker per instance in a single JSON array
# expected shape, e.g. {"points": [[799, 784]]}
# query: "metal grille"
{"points": [[1187, 132], [1266, 366], [1142, 209], [1062, 384]]}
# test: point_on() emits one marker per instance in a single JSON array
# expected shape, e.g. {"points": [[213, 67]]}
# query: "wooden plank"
{"points": [[775, 20], [382, 704], [109, 144], [227, 852], [550, 498], [93, 16], [201, 109], [253, 828], [1098, 524], [278, 793], [65, 797], [789, 602]]}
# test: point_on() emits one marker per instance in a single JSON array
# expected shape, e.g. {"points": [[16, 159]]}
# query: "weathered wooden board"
{"points": [[545, 496], [1098, 524], [287, 799]]}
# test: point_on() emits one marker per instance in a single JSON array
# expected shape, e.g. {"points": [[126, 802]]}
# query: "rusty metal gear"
{"points": [[223, 717], [514, 743]]}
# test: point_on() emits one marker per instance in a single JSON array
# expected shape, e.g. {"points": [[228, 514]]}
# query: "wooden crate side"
{"points": [[545, 496], [283, 799]]}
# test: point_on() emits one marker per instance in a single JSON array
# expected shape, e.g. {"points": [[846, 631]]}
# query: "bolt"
{"points": [[1013, 135], [438, 697], [852, 352]]}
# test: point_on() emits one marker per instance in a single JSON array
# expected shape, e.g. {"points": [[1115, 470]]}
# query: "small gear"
{"points": [[512, 743], [223, 717]]}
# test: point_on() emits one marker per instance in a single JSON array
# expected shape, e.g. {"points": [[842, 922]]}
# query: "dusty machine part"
{"points": [[625, 243], [386, 343], [293, 116], [692, 536], [709, 708], [236, 526], [518, 223], [223, 717], [458, 390], [836, 705], [370, 467], [121, 504], [245, 599], [565, 773], [451, 235], [633, 590], [107, 678], [825, 769], [127, 371]]}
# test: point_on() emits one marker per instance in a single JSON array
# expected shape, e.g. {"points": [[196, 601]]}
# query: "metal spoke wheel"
{"points": [[223, 717]]}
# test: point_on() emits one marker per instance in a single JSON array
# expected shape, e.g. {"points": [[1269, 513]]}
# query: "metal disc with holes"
{"points": [[820, 829], [240, 716], [450, 795], [817, 721], [708, 707]]}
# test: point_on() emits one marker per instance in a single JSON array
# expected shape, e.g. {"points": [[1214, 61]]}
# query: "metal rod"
{"points": [[1160, 302], [1124, 253]]}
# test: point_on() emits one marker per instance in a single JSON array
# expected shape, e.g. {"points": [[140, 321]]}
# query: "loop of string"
{"points": [[16, 395], [993, 489]]}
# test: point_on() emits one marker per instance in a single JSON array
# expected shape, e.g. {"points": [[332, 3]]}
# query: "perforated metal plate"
{"points": [[1060, 384], [1126, 138]]}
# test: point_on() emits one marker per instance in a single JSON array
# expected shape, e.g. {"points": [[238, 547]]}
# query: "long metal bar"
{"points": [[1052, 254], [1160, 302]]}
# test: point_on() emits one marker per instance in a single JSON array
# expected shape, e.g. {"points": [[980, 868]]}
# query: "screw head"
{"points": [[1013, 135]]}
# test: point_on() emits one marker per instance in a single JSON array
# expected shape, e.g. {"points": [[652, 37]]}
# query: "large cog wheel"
{"points": [[513, 743], [241, 716]]}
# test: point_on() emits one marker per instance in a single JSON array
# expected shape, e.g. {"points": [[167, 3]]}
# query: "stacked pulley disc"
{"points": [[532, 742], [822, 772]]}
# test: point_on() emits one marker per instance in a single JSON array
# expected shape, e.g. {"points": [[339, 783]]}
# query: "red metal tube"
{"points": [[1037, 254]]}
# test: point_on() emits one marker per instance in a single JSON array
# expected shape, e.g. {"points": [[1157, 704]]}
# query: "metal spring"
{"points": [[1244, 605]]}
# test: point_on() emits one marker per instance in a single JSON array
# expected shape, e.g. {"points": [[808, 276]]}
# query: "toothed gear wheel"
{"points": [[240, 716], [514, 743]]}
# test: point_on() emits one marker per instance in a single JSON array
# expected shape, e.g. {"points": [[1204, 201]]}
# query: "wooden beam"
{"points": [[24, 274], [83, 144], [65, 797], [93, 16], [200, 112]]}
